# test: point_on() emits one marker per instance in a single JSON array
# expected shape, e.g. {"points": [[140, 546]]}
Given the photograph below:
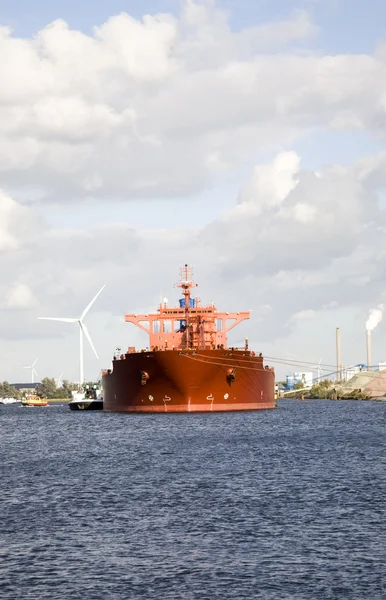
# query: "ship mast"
{"points": [[185, 283], [188, 326]]}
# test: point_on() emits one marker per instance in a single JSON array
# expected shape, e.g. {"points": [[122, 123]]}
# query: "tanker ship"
{"points": [[188, 366]]}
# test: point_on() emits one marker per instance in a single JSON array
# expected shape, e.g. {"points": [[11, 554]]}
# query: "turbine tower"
{"points": [[319, 369], [82, 330], [33, 370]]}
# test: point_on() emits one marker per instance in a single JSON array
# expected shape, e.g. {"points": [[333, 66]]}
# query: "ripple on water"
{"points": [[273, 504]]}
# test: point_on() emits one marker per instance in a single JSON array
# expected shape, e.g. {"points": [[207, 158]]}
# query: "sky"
{"points": [[246, 138]]}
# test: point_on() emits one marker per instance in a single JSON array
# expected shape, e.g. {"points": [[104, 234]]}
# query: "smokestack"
{"points": [[368, 347], [374, 318], [338, 358]]}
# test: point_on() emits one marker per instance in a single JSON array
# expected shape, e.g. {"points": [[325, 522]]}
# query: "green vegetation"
{"points": [[7, 391], [326, 390], [299, 385], [322, 389], [354, 395], [47, 389]]}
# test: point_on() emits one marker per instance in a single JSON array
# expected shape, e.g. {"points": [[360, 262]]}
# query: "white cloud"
{"points": [[18, 225], [303, 239], [271, 184], [163, 105], [142, 50], [290, 219], [303, 315], [304, 213], [19, 296], [280, 272]]}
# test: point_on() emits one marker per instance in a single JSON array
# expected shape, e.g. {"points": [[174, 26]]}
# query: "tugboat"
{"points": [[188, 366], [91, 399], [33, 400]]}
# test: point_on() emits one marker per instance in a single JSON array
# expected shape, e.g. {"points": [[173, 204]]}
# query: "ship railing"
{"points": [[133, 350]]}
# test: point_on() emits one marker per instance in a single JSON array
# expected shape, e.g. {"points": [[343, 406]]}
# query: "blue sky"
{"points": [[346, 25], [317, 151]]}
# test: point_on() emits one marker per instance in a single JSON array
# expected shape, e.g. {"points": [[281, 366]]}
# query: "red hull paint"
{"points": [[188, 381]]}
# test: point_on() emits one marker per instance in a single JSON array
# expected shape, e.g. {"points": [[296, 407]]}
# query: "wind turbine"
{"points": [[319, 369], [82, 330], [59, 381], [33, 370]]}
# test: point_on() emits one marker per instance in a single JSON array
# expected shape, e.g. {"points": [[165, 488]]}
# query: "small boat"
{"points": [[86, 404], [9, 400], [34, 401], [90, 399]]}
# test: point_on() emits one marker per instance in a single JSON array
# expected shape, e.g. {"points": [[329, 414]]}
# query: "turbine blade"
{"points": [[58, 319], [34, 363], [86, 333], [84, 313]]}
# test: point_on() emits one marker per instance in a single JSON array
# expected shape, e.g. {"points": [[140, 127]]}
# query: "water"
{"points": [[275, 504]]}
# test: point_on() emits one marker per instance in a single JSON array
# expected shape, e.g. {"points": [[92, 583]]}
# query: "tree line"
{"points": [[46, 389], [8, 391], [327, 390]]}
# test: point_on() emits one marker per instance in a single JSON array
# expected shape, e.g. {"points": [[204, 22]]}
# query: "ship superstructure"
{"points": [[190, 325], [187, 366]]}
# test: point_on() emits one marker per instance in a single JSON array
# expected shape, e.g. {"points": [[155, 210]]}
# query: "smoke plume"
{"points": [[375, 317]]}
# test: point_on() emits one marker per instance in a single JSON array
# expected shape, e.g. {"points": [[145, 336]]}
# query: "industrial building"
{"points": [[305, 378]]}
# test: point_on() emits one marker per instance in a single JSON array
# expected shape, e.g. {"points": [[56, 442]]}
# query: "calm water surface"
{"points": [[276, 504]]}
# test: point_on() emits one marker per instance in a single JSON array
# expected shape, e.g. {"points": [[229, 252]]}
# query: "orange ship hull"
{"points": [[188, 381]]}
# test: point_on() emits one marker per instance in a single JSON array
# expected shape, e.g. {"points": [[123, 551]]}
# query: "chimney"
{"points": [[338, 357], [368, 347]]}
